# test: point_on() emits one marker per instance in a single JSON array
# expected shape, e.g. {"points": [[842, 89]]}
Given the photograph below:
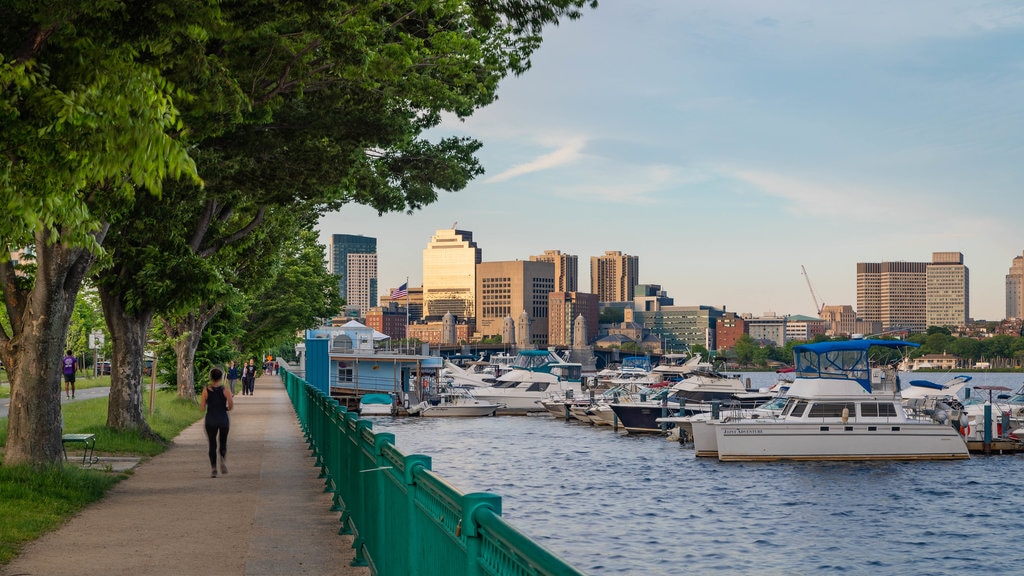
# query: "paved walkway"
{"points": [[268, 516]]}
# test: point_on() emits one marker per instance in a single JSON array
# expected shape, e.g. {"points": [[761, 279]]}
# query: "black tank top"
{"points": [[216, 405]]}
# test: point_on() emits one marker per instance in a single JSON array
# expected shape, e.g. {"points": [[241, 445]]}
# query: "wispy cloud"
{"points": [[568, 152]]}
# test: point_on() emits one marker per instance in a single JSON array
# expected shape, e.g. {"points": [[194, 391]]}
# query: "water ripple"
{"points": [[616, 504]]}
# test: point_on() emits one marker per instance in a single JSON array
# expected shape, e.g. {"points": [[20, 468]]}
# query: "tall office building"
{"points": [[613, 276], [947, 292], [510, 288], [449, 274], [563, 310], [914, 295], [1015, 289], [353, 259], [566, 269]]}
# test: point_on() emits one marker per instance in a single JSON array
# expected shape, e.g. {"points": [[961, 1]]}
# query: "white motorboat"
{"points": [[376, 405], [691, 395], [535, 376], [839, 407], [454, 401]]}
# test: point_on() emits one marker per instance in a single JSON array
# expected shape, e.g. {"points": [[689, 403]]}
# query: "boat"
{"points": [[376, 405], [452, 401], [534, 376], [841, 406], [692, 395], [704, 441]]}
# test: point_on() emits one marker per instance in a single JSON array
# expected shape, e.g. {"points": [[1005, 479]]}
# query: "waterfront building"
{"points": [[650, 297], [679, 327], [769, 328], [947, 291], [449, 274], [511, 289], [390, 320], [353, 259], [841, 320], [413, 300], [436, 332], [728, 330], [914, 295], [613, 276], [803, 328], [1015, 289], [566, 269], [345, 363], [564, 308]]}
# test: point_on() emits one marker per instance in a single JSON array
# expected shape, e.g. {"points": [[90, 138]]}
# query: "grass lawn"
{"points": [[33, 502], [81, 382]]}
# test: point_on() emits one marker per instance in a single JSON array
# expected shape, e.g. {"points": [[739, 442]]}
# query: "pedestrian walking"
{"points": [[217, 401], [249, 378], [70, 367], [233, 375]]}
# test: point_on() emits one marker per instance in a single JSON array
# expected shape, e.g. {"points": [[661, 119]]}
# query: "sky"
{"points": [[728, 143]]}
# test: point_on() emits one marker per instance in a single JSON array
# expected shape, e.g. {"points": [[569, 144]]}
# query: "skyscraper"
{"points": [[353, 259], [1015, 289], [914, 295], [947, 291], [449, 274], [510, 288], [613, 276], [566, 269]]}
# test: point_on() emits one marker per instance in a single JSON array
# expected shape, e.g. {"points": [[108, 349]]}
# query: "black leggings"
{"points": [[211, 433]]}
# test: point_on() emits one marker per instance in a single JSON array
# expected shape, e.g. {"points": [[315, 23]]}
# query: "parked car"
{"points": [[104, 368]]}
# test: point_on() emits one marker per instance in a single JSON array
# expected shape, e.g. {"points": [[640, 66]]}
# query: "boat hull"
{"points": [[758, 441], [459, 411]]}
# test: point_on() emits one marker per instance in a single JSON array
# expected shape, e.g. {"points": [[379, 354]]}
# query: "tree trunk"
{"points": [[39, 318], [128, 335], [185, 332]]}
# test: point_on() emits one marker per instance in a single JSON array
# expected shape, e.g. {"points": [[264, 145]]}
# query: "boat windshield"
{"points": [[529, 360], [843, 364]]}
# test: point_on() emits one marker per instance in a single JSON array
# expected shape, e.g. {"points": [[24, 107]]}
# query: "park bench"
{"points": [[89, 451]]}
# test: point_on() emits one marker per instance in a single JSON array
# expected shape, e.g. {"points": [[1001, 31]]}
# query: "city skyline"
{"points": [[726, 144]]}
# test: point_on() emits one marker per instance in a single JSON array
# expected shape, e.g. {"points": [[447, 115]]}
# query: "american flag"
{"points": [[400, 292]]}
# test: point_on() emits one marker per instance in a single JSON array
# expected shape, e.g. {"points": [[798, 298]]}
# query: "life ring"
{"points": [[967, 430]]}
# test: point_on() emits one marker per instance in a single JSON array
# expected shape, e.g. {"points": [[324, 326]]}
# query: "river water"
{"points": [[618, 504]]}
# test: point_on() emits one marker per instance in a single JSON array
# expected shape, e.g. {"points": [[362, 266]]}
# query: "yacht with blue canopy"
{"points": [[843, 404]]}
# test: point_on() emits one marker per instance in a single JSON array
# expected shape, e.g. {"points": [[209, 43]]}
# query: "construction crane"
{"points": [[818, 307]]}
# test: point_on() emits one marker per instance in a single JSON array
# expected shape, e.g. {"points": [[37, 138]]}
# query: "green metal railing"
{"points": [[405, 519]]}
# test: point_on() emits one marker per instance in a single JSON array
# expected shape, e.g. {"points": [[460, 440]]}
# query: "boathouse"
{"points": [[346, 362]]}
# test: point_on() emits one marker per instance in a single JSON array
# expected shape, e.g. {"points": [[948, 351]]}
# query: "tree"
{"points": [[301, 109], [745, 348], [84, 124]]}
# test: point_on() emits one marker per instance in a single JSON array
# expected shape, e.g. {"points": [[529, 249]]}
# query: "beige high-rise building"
{"points": [[1015, 289], [892, 293], [449, 274], [563, 310], [841, 320], [362, 281], [613, 276], [947, 290], [508, 289], [566, 269], [914, 295]]}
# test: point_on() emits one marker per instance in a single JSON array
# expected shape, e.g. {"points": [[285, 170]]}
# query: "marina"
{"points": [[616, 503]]}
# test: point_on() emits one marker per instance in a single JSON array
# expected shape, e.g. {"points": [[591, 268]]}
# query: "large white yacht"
{"points": [[534, 376], [840, 408]]}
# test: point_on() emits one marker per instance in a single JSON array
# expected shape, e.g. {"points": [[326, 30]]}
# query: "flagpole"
{"points": [[407, 301]]}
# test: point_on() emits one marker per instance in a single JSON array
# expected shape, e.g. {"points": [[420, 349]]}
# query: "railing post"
{"points": [[469, 526], [414, 464]]}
